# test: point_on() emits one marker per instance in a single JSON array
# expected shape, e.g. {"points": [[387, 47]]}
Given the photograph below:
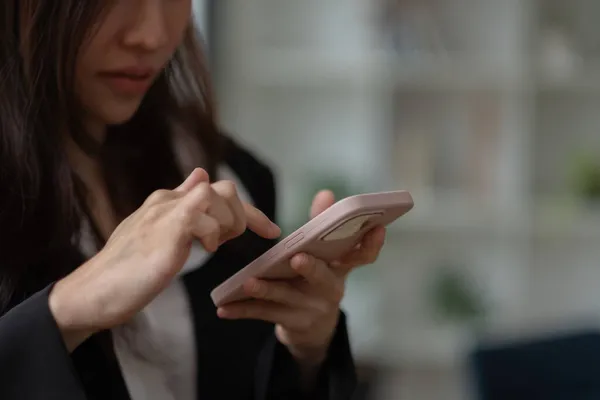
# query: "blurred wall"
{"points": [[485, 110]]}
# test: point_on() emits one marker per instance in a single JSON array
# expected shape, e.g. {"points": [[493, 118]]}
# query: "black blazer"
{"points": [[236, 359]]}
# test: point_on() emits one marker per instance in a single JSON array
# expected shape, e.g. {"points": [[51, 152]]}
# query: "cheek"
{"points": [[98, 101], [178, 18]]}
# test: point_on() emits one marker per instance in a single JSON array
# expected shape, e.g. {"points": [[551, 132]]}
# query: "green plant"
{"points": [[586, 176], [454, 297]]}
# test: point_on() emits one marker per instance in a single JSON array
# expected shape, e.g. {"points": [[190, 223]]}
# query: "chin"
{"points": [[119, 114]]}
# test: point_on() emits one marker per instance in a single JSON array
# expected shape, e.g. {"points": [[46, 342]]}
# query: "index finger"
{"points": [[259, 223], [198, 175]]}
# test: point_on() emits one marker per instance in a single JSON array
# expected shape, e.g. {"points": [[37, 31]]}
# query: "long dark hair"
{"points": [[41, 200]]}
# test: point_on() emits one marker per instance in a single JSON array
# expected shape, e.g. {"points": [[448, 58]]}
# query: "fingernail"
{"points": [[296, 261], [300, 260], [194, 173], [221, 313], [213, 245]]}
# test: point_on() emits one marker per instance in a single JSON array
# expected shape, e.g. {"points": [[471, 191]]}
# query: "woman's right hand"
{"points": [[147, 250]]}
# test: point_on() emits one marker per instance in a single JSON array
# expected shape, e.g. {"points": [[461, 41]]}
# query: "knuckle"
{"points": [[158, 196], [202, 196], [261, 290], [203, 190], [229, 189], [183, 215], [153, 212]]}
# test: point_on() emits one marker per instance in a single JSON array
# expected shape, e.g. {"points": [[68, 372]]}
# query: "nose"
{"points": [[148, 29]]}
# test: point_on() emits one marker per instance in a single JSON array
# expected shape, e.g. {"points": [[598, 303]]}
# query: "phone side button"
{"points": [[294, 240]]}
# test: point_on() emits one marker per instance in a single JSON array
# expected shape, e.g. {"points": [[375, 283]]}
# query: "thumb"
{"points": [[198, 175], [322, 201]]}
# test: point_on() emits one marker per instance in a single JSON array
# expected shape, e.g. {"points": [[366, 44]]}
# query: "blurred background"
{"points": [[487, 112]]}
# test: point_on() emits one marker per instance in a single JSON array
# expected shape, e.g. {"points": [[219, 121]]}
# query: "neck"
{"points": [[86, 166], [96, 129]]}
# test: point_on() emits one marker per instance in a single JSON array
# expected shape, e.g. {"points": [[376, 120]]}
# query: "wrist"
{"points": [[309, 361], [309, 356], [71, 331]]}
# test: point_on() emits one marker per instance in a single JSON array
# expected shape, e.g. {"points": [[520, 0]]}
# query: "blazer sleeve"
{"points": [[278, 376], [34, 361]]}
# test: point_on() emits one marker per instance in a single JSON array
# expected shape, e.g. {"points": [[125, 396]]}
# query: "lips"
{"points": [[129, 81]]}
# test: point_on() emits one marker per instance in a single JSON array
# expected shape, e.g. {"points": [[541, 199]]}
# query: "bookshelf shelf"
{"points": [[478, 113]]}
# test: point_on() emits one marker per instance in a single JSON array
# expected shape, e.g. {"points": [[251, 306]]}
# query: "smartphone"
{"points": [[329, 236]]}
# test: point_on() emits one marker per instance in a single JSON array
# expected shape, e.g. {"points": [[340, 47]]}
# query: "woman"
{"points": [[107, 258]]}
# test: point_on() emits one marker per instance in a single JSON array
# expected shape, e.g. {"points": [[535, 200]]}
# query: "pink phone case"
{"points": [[328, 237]]}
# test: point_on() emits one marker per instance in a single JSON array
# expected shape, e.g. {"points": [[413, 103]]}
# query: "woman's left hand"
{"points": [[306, 311]]}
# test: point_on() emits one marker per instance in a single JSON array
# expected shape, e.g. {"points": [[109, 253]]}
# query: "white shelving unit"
{"points": [[480, 130]]}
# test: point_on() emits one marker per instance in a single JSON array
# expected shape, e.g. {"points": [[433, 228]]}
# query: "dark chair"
{"points": [[558, 367]]}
